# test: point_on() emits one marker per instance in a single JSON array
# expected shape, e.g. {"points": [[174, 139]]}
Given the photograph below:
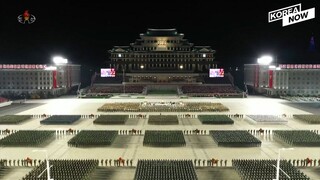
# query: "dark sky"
{"points": [[83, 31]]}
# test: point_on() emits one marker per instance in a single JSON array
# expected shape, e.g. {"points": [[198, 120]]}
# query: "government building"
{"points": [[161, 59], [32, 78], [162, 56], [286, 79]]}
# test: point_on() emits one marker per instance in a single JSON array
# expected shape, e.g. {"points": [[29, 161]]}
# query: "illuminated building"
{"points": [[28, 78], [286, 79], [162, 56]]}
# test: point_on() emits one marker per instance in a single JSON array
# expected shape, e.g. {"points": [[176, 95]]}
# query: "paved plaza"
{"points": [[131, 146]]}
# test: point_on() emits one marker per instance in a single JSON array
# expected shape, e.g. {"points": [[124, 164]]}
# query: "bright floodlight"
{"points": [[60, 60], [265, 60]]}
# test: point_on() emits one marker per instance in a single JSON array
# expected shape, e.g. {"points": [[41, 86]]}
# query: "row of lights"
{"points": [[203, 55], [181, 66]]}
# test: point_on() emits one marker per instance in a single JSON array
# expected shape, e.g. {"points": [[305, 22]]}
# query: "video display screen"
{"points": [[108, 72], [216, 73]]}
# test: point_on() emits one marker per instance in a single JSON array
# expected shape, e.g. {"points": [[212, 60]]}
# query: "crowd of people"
{"points": [[308, 118], [266, 169], [186, 107], [298, 137], [116, 162], [267, 119], [61, 119], [215, 119], [195, 131], [165, 169], [111, 119], [209, 91], [116, 89], [27, 138], [164, 138], [234, 138], [93, 138], [301, 99], [14, 119], [64, 169], [210, 162], [163, 119]]}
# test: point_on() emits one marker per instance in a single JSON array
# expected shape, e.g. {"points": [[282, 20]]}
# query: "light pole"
{"points": [[123, 81], [278, 163], [59, 60], [48, 166], [265, 60]]}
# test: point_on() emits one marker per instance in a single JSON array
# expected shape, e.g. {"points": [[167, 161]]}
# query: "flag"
{"points": [[312, 45]]}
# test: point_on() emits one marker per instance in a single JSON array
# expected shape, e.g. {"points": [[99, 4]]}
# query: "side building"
{"points": [[286, 79], [16, 79]]}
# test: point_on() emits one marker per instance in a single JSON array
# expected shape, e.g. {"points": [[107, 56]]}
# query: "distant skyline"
{"points": [[84, 31]]}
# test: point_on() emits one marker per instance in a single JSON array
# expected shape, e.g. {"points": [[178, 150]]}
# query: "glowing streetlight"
{"points": [[142, 66], [60, 60], [265, 60], [48, 166], [181, 66], [278, 163]]}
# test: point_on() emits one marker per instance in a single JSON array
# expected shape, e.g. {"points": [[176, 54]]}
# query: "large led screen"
{"points": [[216, 73], [108, 72]]}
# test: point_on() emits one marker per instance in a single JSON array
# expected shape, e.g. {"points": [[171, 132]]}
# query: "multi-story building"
{"points": [[162, 56], [28, 78], [286, 79]]}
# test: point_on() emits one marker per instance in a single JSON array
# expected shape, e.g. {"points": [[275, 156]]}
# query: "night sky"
{"points": [[83, 31]]}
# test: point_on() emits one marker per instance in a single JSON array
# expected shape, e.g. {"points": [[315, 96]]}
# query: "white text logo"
{"points": [[291, 15]]}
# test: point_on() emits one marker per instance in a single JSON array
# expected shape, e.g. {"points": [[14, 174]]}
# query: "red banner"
{"points": [[256, 76], [54, 78], [270, 78]]}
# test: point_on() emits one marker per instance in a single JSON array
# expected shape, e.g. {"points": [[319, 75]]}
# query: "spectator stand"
{"points": [[14, 119], [265, 119], [219, 91], [234, 138], [111, 119], [90, 138], [60, 119], [165, 170], [164, 138], [302, 138], [27, 138], [64, 169], [266, 169]]}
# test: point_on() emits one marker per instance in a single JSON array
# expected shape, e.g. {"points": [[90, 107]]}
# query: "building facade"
{"points": [[286, 79], [162, 55], [29, 78]]}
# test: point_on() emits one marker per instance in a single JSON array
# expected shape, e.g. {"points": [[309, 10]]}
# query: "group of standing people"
{"points": [[210, 162], [116, 162]]}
